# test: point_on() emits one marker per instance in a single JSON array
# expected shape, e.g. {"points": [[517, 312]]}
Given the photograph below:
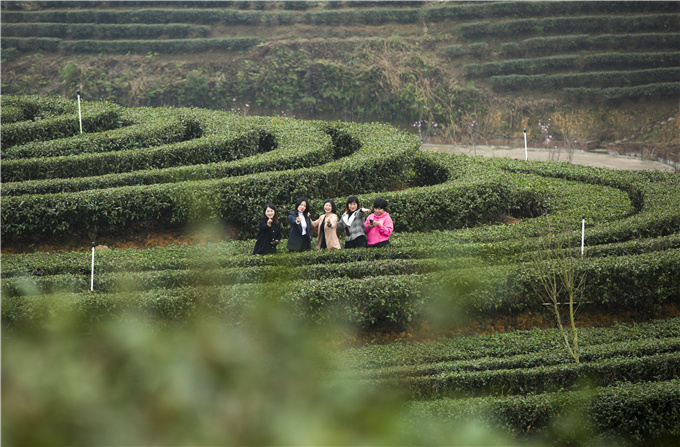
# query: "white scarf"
{"points": [[303, 223], [349, 219]]}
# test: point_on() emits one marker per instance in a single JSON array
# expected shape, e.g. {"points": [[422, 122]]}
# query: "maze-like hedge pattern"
{"points": [[451, 259], [225, 166]]}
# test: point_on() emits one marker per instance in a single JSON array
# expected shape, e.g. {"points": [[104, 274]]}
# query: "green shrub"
{"points": [[84, 31], [37, 107], [96, 117], [578, 25], [667, 89], [50, 44], [592, 80], [384, 158], [613, 42], [623, 412], [608, 61], [169, 46], [165, 127]]}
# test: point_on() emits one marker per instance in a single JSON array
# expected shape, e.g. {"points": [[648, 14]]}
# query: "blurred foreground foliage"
{"points": [[271, 379]]}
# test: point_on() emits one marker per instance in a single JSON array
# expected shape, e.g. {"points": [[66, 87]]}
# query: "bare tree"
{"points": [[562, 281]]}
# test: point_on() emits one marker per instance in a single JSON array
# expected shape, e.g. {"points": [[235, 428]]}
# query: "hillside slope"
{"points": [[470, 72]]}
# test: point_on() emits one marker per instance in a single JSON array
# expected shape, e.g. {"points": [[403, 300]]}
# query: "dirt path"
{"points": [[580, 157]]}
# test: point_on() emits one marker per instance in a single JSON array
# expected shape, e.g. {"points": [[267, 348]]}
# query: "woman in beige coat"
{"points": [[327, 225]]}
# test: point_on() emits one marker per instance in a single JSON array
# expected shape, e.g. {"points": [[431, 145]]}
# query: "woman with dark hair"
{"points": [[353, 223], [327, 225], [269, 231], [379, 225], [300, 238]]}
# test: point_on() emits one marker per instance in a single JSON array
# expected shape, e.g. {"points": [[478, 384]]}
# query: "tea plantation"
{"points": [[452, 261]]}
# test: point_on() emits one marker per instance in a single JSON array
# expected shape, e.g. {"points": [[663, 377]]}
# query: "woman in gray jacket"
{"points": [[352, 223]]}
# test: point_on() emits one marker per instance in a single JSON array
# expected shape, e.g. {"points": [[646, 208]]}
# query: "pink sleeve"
{"points": [[387, 227]]}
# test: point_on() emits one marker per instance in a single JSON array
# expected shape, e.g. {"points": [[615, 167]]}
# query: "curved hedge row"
{"points": [[372, 16], [638, 282], [267, 159], [640, 412], [660, 90], [165, 127], [236, 254], [540, 358], [445, 192], [586, 42], [653, 195], [34, 107], [606, 61], [96, 117], [583, 24], [82, 31], [169, 46], [376, 358], [31, 43], [593, 80], [165, 46], [382, 157]]}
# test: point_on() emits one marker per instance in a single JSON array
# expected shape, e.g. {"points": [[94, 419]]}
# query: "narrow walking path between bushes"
{"points": [[580, 157]]}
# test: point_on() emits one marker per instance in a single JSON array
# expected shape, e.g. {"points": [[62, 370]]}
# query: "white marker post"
{"points": [[92, 277], [526, 154], [80, 116], [583, 232]]}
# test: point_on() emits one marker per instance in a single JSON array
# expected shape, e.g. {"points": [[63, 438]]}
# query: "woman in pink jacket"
{"points": [[379, 225]]}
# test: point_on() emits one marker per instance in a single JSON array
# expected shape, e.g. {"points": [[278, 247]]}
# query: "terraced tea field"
{"points": [[452, 262]]}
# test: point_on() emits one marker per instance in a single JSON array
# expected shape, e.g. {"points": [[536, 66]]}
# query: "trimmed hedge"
{"points": [[586, 42], [268, 145], [666, 89], [373, 15], [580, 25], [464, 348], [96, 116], [34, 108], [82, 31], [541, 358], [237, 254], [593, 80], [653, 195], [50, 44], [606, 61], [169, 46], [539, 379], [155, 279], [366, 303], [166, 126], [223, 255], [632, 282], [183, 153], [384, 158], [637, 413]]}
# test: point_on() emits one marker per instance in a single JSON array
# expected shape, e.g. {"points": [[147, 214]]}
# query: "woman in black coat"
{"points": [[300, 238], [269, 231]]}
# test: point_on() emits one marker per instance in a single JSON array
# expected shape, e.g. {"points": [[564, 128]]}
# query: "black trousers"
{"points": [[356, 243], [306, 244]]}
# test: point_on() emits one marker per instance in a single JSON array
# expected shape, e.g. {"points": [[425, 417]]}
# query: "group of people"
{"points": [[360, 226]]}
